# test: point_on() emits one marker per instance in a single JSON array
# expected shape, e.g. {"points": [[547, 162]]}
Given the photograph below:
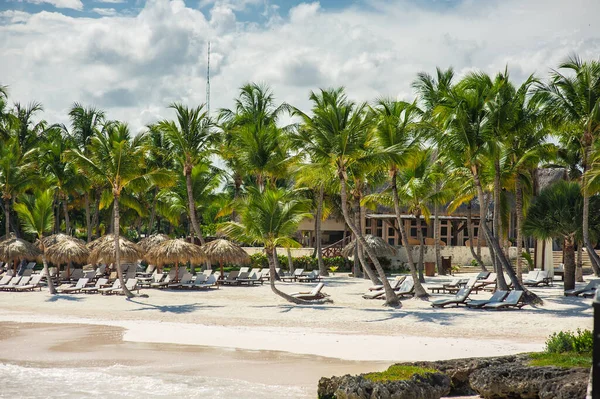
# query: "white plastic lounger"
{"points": [[314, 294], [81, 283], [31, 285], [513, 300], [116, 285]]}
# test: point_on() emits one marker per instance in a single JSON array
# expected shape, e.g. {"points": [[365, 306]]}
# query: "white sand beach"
{"points": [[250, 329]]}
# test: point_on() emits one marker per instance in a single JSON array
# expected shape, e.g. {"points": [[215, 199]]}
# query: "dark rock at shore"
{"points": [[522, 382], [427, 386]]}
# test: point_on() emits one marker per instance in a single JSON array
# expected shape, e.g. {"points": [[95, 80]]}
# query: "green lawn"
{"points": [[566, 359], [397, 373]]}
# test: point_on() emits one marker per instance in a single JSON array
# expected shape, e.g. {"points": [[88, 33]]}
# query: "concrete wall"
{"points": [[296, 252], [460, 255]]}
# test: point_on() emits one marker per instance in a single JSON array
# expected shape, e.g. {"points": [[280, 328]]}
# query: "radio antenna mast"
{"points": [[208, 82]]}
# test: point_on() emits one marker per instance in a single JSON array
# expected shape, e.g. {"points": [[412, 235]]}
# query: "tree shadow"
{"points": [[176, 309], [58, 297], [427, 316], [289, 308]]}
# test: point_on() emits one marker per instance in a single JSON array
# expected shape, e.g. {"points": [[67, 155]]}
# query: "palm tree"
{"points": [[396, 131], [339, 134], [37, 217], [555, 213], [572, 99], [190, 137], [85, 124], [270, 217], [119, 161], [158, 157]]}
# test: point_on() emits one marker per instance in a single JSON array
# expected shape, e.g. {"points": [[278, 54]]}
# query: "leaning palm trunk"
{"points": [[368, 272], [318, 233], [421, 247], [436, 241], [391, 299], [476, 255], [497, 227], [594, 259], [419, 290], [192, 209], [529, 296], [47, 272], [519, 210], [116, 233], [272, 258]]}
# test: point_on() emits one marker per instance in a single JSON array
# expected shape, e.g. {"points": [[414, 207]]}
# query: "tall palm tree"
{"points": [[555, 213], [270, 217], [37, 218], [397, 135], [119, 160], [158, 157], [86, 123], [340, 135], [190, 137], [572, 98]]}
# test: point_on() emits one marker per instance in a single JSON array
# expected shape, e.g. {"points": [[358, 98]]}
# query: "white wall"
{"points": [[460, 255]]}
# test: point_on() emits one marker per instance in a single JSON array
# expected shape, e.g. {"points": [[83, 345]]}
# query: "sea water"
{"points": [[121, 381]]}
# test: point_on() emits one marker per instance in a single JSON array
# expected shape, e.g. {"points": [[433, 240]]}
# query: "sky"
{"points": [[133, 58]]}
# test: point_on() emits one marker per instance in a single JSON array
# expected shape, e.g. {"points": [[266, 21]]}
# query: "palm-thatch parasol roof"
{"points": [[99, 241], [175, 252], [16, 249], [225, 251], [153, 240], [56, 238], [105, 250], [65, 251], [376, 244]]}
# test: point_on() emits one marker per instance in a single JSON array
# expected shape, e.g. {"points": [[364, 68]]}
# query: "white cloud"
{"points": [[74, 4], [110, 1], [133, 66], [107, 12]]}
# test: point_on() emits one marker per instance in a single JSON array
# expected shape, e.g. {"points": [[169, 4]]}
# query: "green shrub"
{"points": [[305, 262], [259, 260], [580, 342], [397, 373]]}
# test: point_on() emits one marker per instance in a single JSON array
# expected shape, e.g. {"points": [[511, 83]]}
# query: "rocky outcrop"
{"points": [[518, 381], [507, 377], [427, 386]]}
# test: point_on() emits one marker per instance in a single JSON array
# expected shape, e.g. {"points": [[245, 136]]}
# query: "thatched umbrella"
{"points": [[99, 241], [67, 251], [106, 252], [175, 252], [15, 249], [153, 240], [56, 238], [225, 251], [376, 244]]}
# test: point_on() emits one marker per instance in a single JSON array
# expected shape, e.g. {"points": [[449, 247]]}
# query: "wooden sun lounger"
{"points": [[81, 283], [312, 276], [20, 283], [232, 278], [314, 294], [459, 299], [90, 290], [394, 283], [185, 279], [448, 286], [253, 279], [11, 284], [513, 300], [297, 273], [131, 284], [33, 284], [497, 296], [5, 280], [116, 285]]}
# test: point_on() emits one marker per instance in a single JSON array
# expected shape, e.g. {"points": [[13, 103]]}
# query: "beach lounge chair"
{"points": [[297, 273], [310, 277], [559, 271], [131, 284], [90, 275], [5, 279], [76, 274], [407, 288], [253, 279], [164, 281], [591, 286], [253, 271], [11, 284], [497, 296], [315, 293], [487, 283], [22, 282], [483, 275], [395, 283], [513, 300], [31, 285], [231, 278], [267, 274], [185, 279], [540, 278], [244, 270], [27, 272], [81, 283], [200, 279], [101, 270], [116, 285], [99, 284], [448, 286], [211, 281], [459, 299]]}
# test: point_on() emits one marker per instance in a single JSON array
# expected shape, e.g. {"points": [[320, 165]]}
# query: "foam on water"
{"points": [[130, 382]]}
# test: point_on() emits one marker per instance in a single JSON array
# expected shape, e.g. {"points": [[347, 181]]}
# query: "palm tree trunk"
{"points": [[437, 226], [356, 267], [318, 233], [476, 256], [529, 297], [391, 299], [117, 226], [421, 247], [191, 206], [569, 264], [579, 264], [7, 216], [497, 226], [152, 212], [96, 218], [271, 256], [420, 291], [290, 260], [88, 215], [368, 272], [519, 210], [47, 273], [67, 219], [594, 258]]}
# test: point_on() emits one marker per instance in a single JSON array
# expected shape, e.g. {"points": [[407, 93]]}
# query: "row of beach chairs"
{"points": [[498, 300], [402, 286], [20, 283]]}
